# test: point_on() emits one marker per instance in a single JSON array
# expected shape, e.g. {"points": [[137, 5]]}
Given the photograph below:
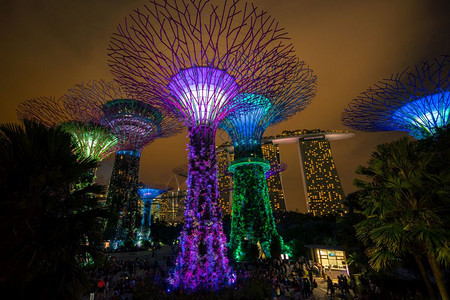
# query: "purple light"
{"points": [[203, 95], [202, 262], [134, 123], [276, 169], [193, 57]]}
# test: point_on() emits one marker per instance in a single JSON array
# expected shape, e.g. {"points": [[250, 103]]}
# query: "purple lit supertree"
{"points": [[92, 139], [135, 124], [252, 224], [416, 101], [194, 57]]}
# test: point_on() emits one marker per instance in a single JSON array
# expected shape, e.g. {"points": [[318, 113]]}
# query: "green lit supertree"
{"points": [[252, 225], [135, 124], [92, 139]]}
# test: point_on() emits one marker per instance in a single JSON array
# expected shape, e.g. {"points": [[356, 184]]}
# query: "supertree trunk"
{"points": [[146, 217], [202, 262], [123, 196], [252, 221], [144, 231]]}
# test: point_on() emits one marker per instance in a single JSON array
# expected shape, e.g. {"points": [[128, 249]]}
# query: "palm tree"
{"points": [[48, 228], [403, 206]]}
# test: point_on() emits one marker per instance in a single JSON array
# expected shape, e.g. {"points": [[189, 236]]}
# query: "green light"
{"points": [[256, 101], [92, 140], [249, 161], [252, 225]]}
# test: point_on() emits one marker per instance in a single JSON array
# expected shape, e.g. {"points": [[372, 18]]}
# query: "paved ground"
{"points": [[321, 290]]}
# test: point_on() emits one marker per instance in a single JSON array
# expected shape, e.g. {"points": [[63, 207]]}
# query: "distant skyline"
{"points": [[49, 46]]}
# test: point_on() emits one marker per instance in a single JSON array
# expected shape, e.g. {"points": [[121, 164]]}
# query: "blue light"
{"points": [[147, 195], [129, 153], [247, 125], [421, 117], [150, 194]]}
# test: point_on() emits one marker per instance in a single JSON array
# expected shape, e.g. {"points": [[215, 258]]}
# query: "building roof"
{"points": [[326, 247]]}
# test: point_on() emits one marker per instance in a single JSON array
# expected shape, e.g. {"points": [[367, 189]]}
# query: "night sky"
{"points": [[48, 46]]}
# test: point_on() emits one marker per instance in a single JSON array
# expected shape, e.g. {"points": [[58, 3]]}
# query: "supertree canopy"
{"points": [[416, 101], [252, 224], [147, 194], [194, 57], [135, 124], [49, 111], [92, 139]]}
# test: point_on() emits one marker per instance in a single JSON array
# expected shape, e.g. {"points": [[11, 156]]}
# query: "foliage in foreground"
{"points": [[49, 230], [405, 203]]}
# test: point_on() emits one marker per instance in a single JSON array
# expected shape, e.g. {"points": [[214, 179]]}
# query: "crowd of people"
{"points": [[118, 278], [282, 279], [343, 285]]}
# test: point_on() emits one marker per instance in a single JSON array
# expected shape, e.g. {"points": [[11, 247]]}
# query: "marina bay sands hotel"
{"points": [[322, 188]]}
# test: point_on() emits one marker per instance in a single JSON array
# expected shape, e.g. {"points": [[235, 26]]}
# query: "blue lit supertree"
{"points": [[189, 55], [148, 193], [252, 224], [416, 101], [135, 124]]}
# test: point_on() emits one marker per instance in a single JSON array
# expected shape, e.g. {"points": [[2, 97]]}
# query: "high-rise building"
{"points": [[170, 207], [225, 156], [322, 186], [224, 179], [271, 153]]}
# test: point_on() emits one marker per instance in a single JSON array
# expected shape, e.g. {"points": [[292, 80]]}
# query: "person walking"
{"points": [[101, 288], [329, 285]]}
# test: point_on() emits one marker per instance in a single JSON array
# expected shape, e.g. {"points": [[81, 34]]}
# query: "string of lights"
{"points": [[195, 57]]}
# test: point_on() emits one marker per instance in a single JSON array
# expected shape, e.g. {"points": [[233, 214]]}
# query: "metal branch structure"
{"points": [[135, 124], [49, 111], [181, 171], [194, 57], [415, 101], [147, 194], [252, 224], [276, 169], [92, 139]]}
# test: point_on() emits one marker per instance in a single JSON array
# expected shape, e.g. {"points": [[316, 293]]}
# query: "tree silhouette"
{"points": [[48, 230]]}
